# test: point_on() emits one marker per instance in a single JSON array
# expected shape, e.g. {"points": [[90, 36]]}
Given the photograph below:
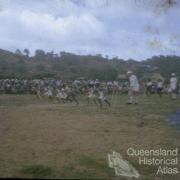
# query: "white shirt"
{"points": [[149, 83], [109, 83], [133, 81], [101, 95], [160, 84], [61, 94], [134, 84]]}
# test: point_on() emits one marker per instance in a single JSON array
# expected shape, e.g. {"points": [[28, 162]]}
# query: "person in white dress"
{"points": [[173, 86], [133, 88]]}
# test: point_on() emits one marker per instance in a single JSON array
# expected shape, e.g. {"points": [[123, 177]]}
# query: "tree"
{"points": [[26, 51], [18, 52], [158, 4], [50, 54], [40, 54]]}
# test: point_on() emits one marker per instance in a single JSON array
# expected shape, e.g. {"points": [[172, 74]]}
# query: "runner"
{"points": [[102, 98], [92, 95], [71, 95], [61, 95]]}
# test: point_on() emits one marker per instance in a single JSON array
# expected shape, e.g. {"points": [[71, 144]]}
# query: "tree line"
{"points": [[71, 66]]}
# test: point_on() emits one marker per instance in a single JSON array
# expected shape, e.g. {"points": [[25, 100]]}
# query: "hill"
{"points": [[71, 66]]}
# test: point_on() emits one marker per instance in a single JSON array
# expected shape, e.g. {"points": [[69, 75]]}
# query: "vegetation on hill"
{"points": [[70, 66]]}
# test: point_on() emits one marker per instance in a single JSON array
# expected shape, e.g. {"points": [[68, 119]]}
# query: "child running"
{"points": [[102, 98]]}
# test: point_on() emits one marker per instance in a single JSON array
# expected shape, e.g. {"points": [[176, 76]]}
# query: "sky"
{"points": [[128, 29]]}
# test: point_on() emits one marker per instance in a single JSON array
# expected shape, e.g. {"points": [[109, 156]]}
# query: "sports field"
{"points": [[48, 139]]}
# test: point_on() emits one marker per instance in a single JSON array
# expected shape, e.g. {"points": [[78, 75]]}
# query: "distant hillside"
{"points": [[71, 66]]}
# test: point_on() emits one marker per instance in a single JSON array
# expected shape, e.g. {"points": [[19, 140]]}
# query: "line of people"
{"points": [[67, 93], [16, 86], [95, 91]]}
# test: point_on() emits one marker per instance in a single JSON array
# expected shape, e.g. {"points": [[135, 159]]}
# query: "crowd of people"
{"points": [[173, 88], [96, 91]]}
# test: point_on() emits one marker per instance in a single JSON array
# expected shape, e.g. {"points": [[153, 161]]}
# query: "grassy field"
{"points": [[47, 139]]}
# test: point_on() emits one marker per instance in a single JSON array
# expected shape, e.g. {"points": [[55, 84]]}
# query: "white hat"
{"points": [[129, 72], [173, 74]]}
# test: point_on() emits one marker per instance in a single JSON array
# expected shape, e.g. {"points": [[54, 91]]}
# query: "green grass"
{"points": [[87, 167], [95, 163], [107, 122], [38, 171]]}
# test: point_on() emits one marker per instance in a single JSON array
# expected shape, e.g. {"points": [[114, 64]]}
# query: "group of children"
{"points": [[64, 94]]}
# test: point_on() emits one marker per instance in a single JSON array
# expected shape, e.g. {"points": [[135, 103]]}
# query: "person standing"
{"points": [[133, 88], [159, 87], [173, 86], [149, 87]]}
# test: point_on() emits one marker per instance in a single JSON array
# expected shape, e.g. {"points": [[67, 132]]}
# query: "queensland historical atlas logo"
{"points": [[121, 166]]}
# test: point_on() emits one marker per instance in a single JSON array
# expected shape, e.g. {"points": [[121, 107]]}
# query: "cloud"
{"points": [[113, 27]]}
